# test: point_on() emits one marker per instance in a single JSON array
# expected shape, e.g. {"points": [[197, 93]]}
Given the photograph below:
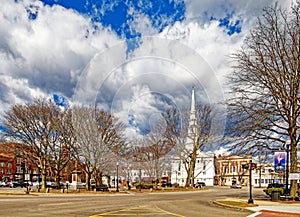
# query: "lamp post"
{"points": [[140, 179], [117, 177], [250, 200], [287, 171]]}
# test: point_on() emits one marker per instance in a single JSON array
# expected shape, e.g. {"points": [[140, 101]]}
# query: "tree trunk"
{"points": [[293, 160], [44, 185], [88, 183], [188, 178]]}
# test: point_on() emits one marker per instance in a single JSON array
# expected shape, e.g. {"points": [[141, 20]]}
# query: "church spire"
{"points": [[192, 122], [193, 108]]}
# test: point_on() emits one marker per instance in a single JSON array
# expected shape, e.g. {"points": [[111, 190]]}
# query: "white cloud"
{"points": [[61, 52], [46, 54]]}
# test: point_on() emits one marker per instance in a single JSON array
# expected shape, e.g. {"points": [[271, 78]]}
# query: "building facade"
{"points": [[264, 174], [233, 170], [15, 167], [204, 170]]}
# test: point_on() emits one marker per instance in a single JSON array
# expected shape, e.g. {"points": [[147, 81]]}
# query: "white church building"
{"points": [[205, 162]]}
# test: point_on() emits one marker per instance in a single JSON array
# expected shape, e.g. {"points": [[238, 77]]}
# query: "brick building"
{"points": [[231, 169], [14, 166]]}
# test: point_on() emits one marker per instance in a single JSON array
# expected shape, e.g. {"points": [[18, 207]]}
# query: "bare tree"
{"points": [[264, 105], [34, 124], [191, 135], [63, 150], [98, 136], [153, 150], [200, 134]]}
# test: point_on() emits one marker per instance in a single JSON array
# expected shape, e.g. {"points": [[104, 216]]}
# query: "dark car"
{"points": [[200, 185], [15, 184], [101, 188], [275, 185]]}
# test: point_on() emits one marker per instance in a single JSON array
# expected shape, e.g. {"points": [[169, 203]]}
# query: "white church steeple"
{"points": [[192, 123]]}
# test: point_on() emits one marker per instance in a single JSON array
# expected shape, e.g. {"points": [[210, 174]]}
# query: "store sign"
{"points": [[279, 161]]}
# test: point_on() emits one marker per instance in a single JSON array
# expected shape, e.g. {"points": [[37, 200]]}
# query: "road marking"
{"points": [[254, 214], [140, 210], [169, 212]]}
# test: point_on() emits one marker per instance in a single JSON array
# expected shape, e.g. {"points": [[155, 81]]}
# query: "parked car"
{"points": [[4, 184], [101, 188], [51, 185], [15, 184], [236, 186], [166, 184], [275, 185], [200, 185]]}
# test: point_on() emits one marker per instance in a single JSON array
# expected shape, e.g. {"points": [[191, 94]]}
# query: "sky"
{"points": [[132, 58]]}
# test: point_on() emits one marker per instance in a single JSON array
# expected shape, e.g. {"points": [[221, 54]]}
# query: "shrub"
{"points": [[143, 186], [269, 191]]}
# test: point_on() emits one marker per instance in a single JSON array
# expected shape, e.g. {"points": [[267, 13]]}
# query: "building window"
{"points": [[2, 164], [233, 169], [255, 181], [262, 181], [9, 165], [1, 171], [8, 172], [36, 171], [19, 160], [19, 170]]}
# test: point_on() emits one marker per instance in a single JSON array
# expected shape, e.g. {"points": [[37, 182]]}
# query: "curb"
{"points": [[232, 207]]}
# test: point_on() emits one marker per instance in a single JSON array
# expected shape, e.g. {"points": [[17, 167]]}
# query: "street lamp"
{"points": [[117, 177], [140, 179], [251, 166], [287, 171]]}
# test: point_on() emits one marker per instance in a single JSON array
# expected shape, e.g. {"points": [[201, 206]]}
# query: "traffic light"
{"points": [[253, 165]]}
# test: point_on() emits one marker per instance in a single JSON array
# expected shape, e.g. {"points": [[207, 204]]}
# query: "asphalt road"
{"points": [[189, 204]]}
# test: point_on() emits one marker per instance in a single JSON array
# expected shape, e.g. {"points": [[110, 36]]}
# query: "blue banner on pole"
{"points": [[279, 161]]}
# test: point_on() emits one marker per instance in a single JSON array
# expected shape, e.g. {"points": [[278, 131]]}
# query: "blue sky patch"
{"points": [[115, 14], [59, 100], [231, 27]]}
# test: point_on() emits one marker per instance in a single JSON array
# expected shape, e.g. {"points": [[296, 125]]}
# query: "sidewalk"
{"points": [[280, 208]]}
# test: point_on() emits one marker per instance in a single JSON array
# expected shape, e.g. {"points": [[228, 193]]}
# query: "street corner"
{"points": [[234, 204]]}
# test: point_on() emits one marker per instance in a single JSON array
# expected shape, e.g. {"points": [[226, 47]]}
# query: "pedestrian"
{"points": [[67, 186]]}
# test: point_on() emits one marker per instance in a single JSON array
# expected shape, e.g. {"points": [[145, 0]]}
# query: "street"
{"points": [[195, 203], [189, 204]]}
